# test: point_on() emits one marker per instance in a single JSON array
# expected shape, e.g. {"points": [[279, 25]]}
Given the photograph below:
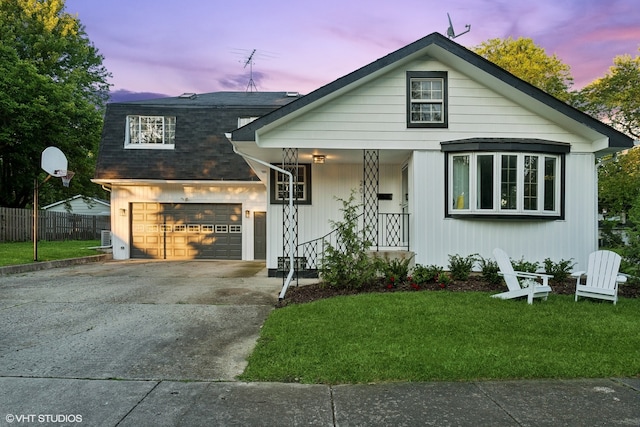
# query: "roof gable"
{"points": [[455, 56]]}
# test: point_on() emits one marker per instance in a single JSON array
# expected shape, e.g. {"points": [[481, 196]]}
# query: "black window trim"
{"points": [[506, 145], [307, 181], [445, 98]]}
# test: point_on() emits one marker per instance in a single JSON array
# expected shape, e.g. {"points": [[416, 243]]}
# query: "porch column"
{"points": [[290, 231], [370, 190]]}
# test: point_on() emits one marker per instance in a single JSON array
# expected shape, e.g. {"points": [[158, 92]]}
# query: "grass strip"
{"points": [[444, 336], [15, 253]]}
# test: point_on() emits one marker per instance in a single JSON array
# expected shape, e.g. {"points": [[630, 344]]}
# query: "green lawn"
{"points": [[446, 336], [22, 252]]}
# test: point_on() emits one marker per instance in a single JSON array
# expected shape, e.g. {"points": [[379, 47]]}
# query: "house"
{"points": [[81, 206], [452, 156], [178, 191]]}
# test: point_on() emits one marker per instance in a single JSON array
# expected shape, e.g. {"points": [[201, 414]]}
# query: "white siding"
{"points": [[436, 237], [252, 197], [374, 116]]}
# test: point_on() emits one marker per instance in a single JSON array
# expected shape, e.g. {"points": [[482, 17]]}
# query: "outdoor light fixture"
{"points": [[318, 158], [123, 212], [247, 214]]}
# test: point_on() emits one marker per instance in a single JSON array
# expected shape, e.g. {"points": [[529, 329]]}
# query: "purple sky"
{"points": [[174, 46]]}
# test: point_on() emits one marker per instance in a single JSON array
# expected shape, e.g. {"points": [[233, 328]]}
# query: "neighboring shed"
{"points": [[81, 205]]}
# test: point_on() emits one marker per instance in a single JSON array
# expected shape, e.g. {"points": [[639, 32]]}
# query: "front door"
{"points": [[259, 235]]}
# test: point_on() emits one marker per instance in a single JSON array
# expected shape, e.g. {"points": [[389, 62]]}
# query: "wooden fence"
{"points": [[16, 225]]}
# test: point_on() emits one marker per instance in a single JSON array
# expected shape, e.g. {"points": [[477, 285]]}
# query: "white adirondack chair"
{"points": [[602, 277], [520, 283]]}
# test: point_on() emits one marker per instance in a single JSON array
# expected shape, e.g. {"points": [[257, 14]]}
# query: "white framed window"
{"points": [[504, 183], [235, 228], [193, 228], [427, 99], [166, 228], [222, 228], [179, 228], [243, 121], [207, 228], [150, 132], [301, 185]]}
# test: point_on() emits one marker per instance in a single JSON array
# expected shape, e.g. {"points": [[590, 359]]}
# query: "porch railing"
{"points": [[393, 234]]}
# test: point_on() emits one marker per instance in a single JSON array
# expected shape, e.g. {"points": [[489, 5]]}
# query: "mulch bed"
{"points": [[316, 291]]}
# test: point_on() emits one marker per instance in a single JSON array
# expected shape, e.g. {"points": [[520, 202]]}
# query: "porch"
{"points": [[391, 237]]}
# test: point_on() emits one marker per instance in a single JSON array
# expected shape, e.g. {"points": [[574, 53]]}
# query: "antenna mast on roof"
{"points": [[450, 31], [251, 86]]}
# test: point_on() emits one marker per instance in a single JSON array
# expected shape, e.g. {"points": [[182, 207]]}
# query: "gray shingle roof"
{"points": [[201, 151]]}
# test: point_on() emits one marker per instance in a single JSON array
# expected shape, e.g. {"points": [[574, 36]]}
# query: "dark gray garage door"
{"points": [[186, 231]]}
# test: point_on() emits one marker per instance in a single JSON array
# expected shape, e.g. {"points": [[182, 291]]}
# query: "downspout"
{"points": [[287, 282]]}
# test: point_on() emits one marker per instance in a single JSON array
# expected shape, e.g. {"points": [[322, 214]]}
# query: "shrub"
{"points": [[460, 267], [347, 265], [425, 274], [443, 280], [489, 269], [395, 271], [560, 270], [631, 252], [526, 266]]}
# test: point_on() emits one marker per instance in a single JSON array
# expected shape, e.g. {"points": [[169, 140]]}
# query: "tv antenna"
{"points": [[451, 32], [249, 61]]}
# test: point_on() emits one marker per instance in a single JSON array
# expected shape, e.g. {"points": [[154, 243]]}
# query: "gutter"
{"points": [[287, 282]]}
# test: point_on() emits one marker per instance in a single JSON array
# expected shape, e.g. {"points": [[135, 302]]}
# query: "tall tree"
{"points": [[524, 59], [615, 98], [619, 183], [53, 88]]}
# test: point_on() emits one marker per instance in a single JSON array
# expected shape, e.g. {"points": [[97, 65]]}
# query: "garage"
{"points": [[186, 231]]}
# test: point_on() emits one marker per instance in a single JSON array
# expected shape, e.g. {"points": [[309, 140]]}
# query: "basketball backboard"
{"points": [[54, 162]]}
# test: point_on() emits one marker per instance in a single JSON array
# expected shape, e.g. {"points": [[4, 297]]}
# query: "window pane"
{"points": [[485, 181], [170, 130], [427, 113], [549, 183], [509, 182], [460, 182], [530, 183], [299, 184], [426, 89], [134, 130], [151, 129]]}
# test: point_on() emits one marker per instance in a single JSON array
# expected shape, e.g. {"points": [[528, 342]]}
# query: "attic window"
{"points": [[155, 132], [242, 121], [427, 99]]}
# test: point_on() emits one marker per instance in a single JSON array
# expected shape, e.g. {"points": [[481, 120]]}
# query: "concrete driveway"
{"points": [[148, 320]]}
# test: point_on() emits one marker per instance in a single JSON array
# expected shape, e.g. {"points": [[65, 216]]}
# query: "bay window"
{"points": [[504, 183]]}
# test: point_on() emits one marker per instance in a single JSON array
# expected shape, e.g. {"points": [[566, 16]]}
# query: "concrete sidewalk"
{"points": [[30, 401]]}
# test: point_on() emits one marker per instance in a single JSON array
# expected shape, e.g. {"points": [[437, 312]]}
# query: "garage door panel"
{"points": [[186, 231]]}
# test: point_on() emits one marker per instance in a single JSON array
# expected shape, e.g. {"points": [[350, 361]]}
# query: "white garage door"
{"points": [[186, 231]]}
